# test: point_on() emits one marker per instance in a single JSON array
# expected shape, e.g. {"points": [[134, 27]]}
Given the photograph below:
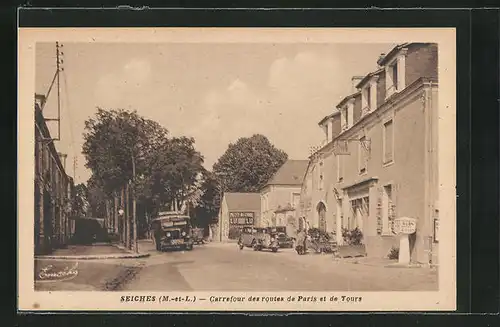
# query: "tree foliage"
{"points": [[166, 169], [248, 164], [81, 203], [115, 140]]}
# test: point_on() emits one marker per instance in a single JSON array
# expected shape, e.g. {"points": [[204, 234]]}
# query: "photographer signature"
{"points": [[49, 273]]}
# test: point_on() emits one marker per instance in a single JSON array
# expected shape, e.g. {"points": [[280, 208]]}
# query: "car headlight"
{"points": [[183, 233], [168, 234]]}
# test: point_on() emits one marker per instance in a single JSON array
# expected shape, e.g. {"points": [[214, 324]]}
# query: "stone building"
{"points": [[53, 189], [237, 210], [379, 157], [280, 197]]}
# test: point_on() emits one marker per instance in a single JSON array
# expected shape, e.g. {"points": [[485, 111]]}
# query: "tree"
{"points": [[175, 171], [115, 140], [96, 197], [206, 208], [81, 203], [248, 164]]}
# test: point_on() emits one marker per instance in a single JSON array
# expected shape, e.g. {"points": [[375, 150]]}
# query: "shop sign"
{"points": [[241, 218], [405, 225]]}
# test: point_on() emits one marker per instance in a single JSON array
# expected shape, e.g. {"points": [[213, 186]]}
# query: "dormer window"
{"points": [[347, 115], [395, 74], [369, 96]]}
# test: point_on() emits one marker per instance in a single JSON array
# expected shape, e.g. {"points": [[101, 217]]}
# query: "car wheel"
{"points": [[189, 247], [275, 249]]}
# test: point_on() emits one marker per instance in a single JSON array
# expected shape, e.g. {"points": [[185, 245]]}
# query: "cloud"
{"points": [[118, 88], [305, 74], [286, 110]]}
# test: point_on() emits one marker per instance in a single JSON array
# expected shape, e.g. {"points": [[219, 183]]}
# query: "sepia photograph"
{"points": [[235, 169]]}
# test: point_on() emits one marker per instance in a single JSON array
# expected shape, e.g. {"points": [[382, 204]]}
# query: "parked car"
{"points": [[197, 235], [284, 240], [247, 238], [172, 231], [266, 239]]}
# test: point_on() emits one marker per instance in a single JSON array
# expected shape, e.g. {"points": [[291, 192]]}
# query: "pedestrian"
{"points": [[301, 241]]}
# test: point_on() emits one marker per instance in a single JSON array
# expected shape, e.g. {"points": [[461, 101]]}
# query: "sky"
{"points": [[215, 93]]}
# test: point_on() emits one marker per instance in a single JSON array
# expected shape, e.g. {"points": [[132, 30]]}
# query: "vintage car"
{"points": [[266, 239], [284, 240], [247, 238], [172, 230]]}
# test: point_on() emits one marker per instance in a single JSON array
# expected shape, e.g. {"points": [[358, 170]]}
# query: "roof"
{"points": [[242, 201], [368, 76], [335, 113], [382, 61], [291, 173], [347, 98]]}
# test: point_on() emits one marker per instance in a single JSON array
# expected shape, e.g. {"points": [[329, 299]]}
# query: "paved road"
{"points": [[216, 267], [223, 267]]}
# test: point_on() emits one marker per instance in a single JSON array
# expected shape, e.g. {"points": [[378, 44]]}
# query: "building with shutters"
{"points": [[378, 160]]}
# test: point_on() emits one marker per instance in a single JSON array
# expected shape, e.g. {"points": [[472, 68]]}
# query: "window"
{"points": [[340, 168], [394, 71], [395, 74], [365, 99], [362, 155], [388, 144]]}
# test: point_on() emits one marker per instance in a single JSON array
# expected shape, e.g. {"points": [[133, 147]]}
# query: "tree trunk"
{"points": [[127, 217]]}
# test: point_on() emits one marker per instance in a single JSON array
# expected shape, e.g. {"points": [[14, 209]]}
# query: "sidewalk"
{"points": [[95, 251]]}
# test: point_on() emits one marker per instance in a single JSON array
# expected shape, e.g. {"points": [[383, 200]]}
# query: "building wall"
{"points": [[413, 186], [224, 225], [277, 196], [421, 60], [53, 192]]}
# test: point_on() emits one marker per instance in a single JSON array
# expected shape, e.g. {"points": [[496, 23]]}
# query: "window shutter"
{"points": [[380, 192]]}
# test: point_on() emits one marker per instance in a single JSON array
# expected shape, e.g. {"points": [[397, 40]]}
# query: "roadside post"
{"points": [[404, 227]]}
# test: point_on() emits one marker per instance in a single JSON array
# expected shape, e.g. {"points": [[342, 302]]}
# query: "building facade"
{"points": [[379, 158], [53, 189], [237, 210], [280, 197]]}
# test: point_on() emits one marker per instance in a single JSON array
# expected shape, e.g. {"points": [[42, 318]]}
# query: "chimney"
{"points": [[355, 81], [380, 58], [62, 157]]}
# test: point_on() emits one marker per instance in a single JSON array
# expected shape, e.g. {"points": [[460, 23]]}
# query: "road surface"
{"points": [[223, 267]]}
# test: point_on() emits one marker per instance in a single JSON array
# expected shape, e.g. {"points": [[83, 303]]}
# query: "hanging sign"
{"points": [[405, 225]]}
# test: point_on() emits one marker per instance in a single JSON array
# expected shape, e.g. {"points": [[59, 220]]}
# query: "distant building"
{"points": [[237, 211], [379, 158], [280, 197], [53, 189]]}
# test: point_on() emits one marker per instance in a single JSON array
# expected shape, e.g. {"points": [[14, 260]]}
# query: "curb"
{"points": [[94, 257]]}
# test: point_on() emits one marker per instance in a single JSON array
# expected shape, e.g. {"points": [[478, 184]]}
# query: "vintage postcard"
{"points": [[237, 169]]}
